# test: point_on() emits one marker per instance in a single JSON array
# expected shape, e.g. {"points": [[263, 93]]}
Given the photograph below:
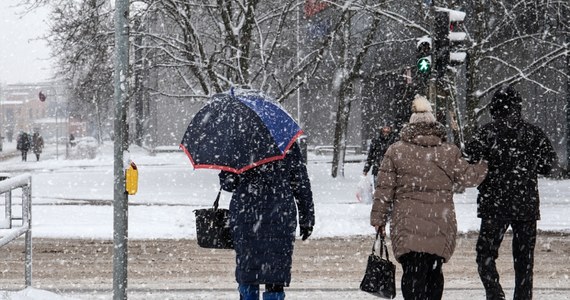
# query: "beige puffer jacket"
{"points": [[415, 190]]}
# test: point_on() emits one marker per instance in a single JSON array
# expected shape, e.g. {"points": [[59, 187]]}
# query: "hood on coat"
{"points": [[506, 103], [424, 133]]}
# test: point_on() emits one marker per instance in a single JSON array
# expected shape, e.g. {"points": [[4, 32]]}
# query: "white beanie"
{"points": [[421, 111]]}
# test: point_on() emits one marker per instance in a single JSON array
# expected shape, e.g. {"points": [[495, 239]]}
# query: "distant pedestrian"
{"points": [[71, 140], [23, 144], [37, 144], [517, 152], [263, 218], [378, 147], [415, 194]]}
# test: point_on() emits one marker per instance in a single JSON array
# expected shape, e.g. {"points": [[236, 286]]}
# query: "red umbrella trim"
{"points": [[251, 166]]}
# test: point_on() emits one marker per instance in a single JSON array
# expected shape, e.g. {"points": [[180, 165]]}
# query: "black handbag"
{"points": [[380, 276], [213, 228]]}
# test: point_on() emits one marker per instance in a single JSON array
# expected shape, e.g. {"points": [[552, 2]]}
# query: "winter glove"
{"points": [[306, 232]]}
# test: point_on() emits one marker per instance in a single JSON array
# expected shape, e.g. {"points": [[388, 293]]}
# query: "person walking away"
{"points": [[71, 140], [23, 144], [517, 152], [37, 144], [415, 192], [263, 218], [378, 146]]}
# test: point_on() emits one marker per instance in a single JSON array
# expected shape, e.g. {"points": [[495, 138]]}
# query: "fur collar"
{"points": [[424, 134]]}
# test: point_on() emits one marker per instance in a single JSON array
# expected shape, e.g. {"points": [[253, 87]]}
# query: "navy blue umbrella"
{"points": [[237, 132]]}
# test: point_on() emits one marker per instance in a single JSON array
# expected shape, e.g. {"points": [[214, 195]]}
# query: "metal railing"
{"points": [[23, 182]]}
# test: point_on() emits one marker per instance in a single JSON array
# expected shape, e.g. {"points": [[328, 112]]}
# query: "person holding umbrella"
{"points": [[252, 140], [263, 219]]}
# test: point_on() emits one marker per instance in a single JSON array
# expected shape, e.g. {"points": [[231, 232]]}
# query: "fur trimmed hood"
{"points": [[424, 134]]}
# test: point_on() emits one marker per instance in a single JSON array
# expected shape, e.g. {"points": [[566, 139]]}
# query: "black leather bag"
{"points": [[213, 228], [380, 276]]}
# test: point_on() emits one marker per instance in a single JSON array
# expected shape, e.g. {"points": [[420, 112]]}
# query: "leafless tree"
{"points": [[515, 42], [81, 39]]}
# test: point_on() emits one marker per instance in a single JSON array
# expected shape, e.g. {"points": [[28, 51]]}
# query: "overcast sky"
{"points": [[23, 58]]}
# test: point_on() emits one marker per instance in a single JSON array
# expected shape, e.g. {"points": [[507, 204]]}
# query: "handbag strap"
{"points": [[217, 200], [384, 248]]}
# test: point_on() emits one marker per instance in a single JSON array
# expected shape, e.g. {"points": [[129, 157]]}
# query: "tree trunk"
{"points": [[339, 142], [341, 126], [138, 82]]}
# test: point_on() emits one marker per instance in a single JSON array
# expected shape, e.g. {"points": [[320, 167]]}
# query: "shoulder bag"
{"points": [[379, 278], [213, 228]]}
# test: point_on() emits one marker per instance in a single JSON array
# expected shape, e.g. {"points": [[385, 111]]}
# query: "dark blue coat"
{"points": [[263, 217]]}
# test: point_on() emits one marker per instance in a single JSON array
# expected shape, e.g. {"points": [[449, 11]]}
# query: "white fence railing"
{"points": [[13, 231]]}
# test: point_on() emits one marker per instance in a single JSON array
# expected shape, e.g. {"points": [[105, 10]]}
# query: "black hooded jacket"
{"points": [[517, 152], [378, 147]]}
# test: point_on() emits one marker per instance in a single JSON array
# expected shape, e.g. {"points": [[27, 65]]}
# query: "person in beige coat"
{"points": [[414, 193]]}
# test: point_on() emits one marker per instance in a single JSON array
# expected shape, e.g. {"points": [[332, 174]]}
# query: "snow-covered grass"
{"points": [[170, 189]]}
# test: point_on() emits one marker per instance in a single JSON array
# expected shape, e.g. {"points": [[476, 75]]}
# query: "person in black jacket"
{"points": [[263, 218], [378, 147], [23, 144], [517, 152]]}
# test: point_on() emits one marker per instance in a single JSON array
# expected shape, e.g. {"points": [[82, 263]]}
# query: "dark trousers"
{"points": [[423, 277], [524, 239]]}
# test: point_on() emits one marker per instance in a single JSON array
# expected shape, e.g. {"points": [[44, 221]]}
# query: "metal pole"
{"points": [[120, 204], [299, 112], [56, 125], [27, 217], [8, 208], [568, 101]]}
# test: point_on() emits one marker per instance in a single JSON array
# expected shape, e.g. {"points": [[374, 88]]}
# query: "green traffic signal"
{"points": [[424, 65]]}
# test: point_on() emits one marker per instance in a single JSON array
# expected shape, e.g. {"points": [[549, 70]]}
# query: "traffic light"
{"points": [[457, 37], [448, 37], [423, 63]]}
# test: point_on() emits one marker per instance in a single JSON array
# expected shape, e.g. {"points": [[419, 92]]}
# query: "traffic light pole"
{"points": [[120, 199], [440, 60]]}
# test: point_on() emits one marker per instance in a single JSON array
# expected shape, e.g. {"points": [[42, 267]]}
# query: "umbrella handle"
{"points": [[217, 200]]}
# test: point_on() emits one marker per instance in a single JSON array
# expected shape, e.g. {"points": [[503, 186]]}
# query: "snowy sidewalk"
{"points": [[298, 294]]}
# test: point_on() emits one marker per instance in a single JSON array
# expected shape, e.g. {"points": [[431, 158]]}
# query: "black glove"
{"points": [[306, 232]]}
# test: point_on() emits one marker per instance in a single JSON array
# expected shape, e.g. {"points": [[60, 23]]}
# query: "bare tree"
{"points": [[517, 42], [82, 41], [214, 45]]}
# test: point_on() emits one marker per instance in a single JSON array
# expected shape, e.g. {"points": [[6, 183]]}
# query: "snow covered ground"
{"points": [[169, 191]]}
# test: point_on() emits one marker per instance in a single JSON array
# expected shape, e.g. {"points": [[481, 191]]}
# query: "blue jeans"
{"points": [[251, 292]]}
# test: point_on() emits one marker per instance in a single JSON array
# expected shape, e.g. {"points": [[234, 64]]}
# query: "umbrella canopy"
{"points": [[238, 132]]}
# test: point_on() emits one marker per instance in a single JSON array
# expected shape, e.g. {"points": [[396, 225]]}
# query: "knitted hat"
{"points": [[506, 101], [421, 111]]}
